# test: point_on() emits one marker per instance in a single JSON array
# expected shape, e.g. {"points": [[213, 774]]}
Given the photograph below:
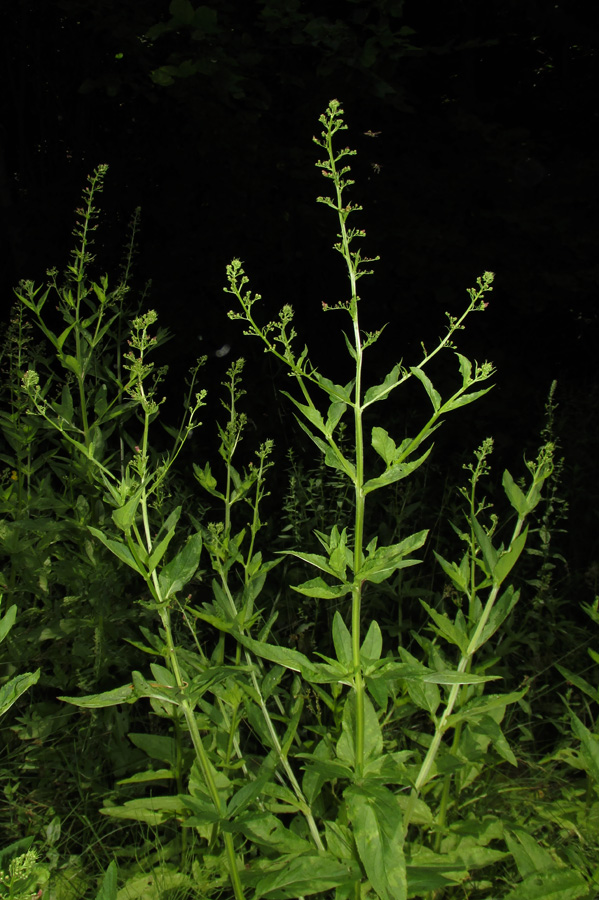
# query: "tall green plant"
{"points": [[350, 566], [312, 775]]}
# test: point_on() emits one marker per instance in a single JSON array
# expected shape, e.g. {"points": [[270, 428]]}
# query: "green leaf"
{"points": [[464, 399], [317, 587], [578, 682], [425, 695], [489, 728], [7, 621], [149, 776], [373, 736], [557, 884], [156, 746], [372, 646], [151, 810], [381, 391], [160, 550], [63, 336], [484, 542], [313, 559], [72, 364], [100, 401], [305, 875], [335, 391], [454, 572], [309, 411], [282, 656], [335, 413], [434, 396], [589, 748], [500, 611], [376, 819], [384, 561], [528, 855], [332, 457], [457, 678], [475, 708], [65, 408], [266, 830], [509, 558], [124, 694], [207, 480], [465, 370], [515, 495], [244, 796], [12, 690], [383, 445], [342, 641], [152, 689], [124, 516], [448, 629], [395, 473], [119, 549], [180, 570], [108, 888]]}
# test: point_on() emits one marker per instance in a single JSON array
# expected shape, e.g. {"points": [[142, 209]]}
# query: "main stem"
{"points": [[356, 618]]}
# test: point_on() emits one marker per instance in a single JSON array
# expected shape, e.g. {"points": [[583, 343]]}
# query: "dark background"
{"points": [[486, 159]]}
